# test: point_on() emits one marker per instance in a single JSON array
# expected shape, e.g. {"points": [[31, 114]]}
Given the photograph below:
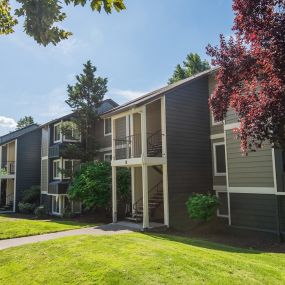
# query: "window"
{"points": [[70, 167], [107, 127], [56, 169], [56, 205], [108, 157], [219, 159], [214, 122], [72, 134], [56, 133]]}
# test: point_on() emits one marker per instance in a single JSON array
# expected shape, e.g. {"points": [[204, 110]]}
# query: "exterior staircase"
{"points": [[154, 201], [154, 145], [7, 208]]}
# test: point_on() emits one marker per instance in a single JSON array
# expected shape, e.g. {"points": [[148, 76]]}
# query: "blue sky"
{"points": [[136, 49]]}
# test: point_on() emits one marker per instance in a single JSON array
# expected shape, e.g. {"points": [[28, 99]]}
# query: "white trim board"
{"points": [[217, 136], [252, 190], [220, 188], [231, 126]]}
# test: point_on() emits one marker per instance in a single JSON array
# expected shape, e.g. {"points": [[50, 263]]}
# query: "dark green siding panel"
{"points": [[188, 147], [256, 211], [223, 199], [28, 162]]}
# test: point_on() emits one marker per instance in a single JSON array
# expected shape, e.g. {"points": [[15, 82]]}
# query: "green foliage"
{"points": [[191, 66], [7, 20], [41, 17], [202, 207], [24, 122], [32, 195], [84, 98], [26, 208], [93, 185]]}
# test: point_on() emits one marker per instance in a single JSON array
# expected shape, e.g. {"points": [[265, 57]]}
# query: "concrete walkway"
{"points": [[109, 229]]}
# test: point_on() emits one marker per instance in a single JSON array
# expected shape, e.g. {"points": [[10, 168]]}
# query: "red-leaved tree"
{"points": [[251, 77]]}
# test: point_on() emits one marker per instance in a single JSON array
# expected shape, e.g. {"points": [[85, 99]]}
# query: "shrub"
{"points": [[202, 207], [40, 211], [32, 195], [93, 185], [26, 208]]}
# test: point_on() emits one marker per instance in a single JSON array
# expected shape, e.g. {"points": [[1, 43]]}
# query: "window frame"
{"points": [[106, 154], [107, 134], [72, 140], [216, 173], [63, 166], [214, 122], [59, 201], [53, 169], [60, 133]]}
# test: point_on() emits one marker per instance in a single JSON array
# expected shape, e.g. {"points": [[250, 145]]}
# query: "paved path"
{"points": [[109, 229]]}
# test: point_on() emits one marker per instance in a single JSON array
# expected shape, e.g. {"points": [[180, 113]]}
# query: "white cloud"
{"points": [[54, 105], [127, 94], [6, 122]]}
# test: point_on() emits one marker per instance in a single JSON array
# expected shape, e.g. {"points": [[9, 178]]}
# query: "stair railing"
{"points": [[154, 143], [155, 189]]}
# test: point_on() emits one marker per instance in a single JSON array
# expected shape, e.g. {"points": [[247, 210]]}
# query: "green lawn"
{"points": [[137, 259], [11, 227]]}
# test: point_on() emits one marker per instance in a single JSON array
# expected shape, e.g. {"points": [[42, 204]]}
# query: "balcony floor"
{"points": [[139, 161]]}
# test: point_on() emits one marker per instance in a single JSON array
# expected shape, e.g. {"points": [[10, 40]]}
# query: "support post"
{"points": [[133, 189], [145, 197], [143, 132], [165, 195], [132, 134], [113, 123], [114, 193]]}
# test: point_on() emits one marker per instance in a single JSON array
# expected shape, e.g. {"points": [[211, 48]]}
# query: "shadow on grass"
{"points": [[202, 243]]}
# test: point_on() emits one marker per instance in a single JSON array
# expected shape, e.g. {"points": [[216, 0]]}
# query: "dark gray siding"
{"points": [[223, 207], [255, 211], [46, 201], [188, 147], [28, 162], [103, 141]]}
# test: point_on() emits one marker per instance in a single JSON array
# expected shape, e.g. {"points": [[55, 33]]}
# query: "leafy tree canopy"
{"points": [[191, 66], [84, 98], [93, 185], [41, 17], [251, 78], [24, 122]]}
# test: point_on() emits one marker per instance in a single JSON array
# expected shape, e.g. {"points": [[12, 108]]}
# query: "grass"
{"points": [[137, 259], [11, 227]]}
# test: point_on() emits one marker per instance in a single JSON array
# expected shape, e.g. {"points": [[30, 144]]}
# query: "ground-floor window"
{"points": [[56, 205], [108, 157]]}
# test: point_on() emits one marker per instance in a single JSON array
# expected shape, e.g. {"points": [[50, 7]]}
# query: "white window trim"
{"points": [[60, 165], [215, 159], [214, 123], [59, 205], [60, 139], [63, 165], [70, 140], [105, 154], [107, 134]]}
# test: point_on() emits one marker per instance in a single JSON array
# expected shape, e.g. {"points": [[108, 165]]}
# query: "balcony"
{"points": [[131, 146], [61, 150], [8, 168], [58, 187]]}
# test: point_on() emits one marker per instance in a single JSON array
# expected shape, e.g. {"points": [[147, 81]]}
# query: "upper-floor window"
{"points": [[219, 154], [71, 133], [107, 126], [57, 133], [70, 166], [214, 122]]}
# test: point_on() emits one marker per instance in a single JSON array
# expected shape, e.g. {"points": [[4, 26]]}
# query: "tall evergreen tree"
{"points": [[84, 98], [191, 66], [24, 122]]}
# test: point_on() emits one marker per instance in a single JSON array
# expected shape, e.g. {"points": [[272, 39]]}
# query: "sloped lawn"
{"points": [[137, 259], [12, 227]]}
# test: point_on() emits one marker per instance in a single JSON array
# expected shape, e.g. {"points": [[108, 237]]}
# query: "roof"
{"points": [[156, 93], [106, 105], [18, 133]]}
